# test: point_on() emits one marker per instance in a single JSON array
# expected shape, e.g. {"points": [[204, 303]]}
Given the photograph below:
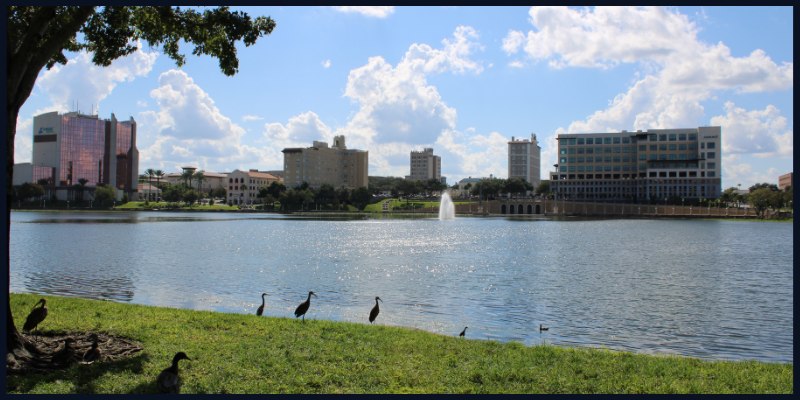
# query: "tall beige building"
{"points": [[523, 160], [319, 164], [425, 165]]}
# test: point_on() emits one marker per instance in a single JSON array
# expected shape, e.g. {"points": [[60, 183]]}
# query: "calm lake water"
{"points": [[718, 290]]}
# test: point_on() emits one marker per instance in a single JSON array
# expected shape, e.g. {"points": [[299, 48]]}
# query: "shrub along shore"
{"points": [[238, 353]]}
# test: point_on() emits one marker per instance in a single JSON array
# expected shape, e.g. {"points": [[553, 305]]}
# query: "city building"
{"points": [[72, 148], [785, 181], [425, 165], [657, 165], [319, 164], [243, 186], [523, 160]]}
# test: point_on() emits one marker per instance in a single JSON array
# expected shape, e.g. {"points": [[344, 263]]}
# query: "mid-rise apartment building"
{"points": [[243, 186], [70, 147], [785, 181], [319, 164], [523, 160], [425, 165], [642, 166]]}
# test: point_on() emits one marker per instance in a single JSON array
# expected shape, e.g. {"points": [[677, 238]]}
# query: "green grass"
{"points": [[236, 353], [140, 205], [399, 205]]}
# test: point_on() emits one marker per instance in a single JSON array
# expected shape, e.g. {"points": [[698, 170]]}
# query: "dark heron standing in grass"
{"points": [[168, 380], [303, 307], [375, 310], [543, 328], [36, 316], [464, 332], [92, 354], [261, 307]]}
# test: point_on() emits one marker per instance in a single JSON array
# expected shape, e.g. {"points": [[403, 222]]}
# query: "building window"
{"points": [[711, 145]]}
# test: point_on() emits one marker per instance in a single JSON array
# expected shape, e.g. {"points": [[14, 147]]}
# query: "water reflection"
{"points": [[80, 284], [617, 284]]}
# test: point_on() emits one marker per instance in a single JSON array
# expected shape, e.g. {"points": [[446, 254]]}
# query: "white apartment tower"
{"points": [[425, 165], [523, 159]]}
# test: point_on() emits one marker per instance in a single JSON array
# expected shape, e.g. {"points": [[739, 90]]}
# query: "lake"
{"points": [[713, 289]]}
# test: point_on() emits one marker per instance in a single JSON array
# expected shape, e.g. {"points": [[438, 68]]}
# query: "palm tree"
{"points": [[187, 177], [159, 175], [150, 173], [81, 187], [200, 177]]}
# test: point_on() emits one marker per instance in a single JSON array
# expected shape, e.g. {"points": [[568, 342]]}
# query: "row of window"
{"points": [[664, 137]]}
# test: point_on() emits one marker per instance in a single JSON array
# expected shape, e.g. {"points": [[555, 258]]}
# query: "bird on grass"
{"points": [[543, 328], [64, 354], [92, 354], [303, 307], [168, 380], [261, 307], [375, 310], [36, 316], [464, 332]]}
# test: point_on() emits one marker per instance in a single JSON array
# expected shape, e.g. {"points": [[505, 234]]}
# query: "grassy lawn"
{"points": [[236, 353], [400, 204], [140, 205]]}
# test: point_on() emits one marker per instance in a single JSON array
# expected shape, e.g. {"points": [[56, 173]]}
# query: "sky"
{"points": [[461, 80]]}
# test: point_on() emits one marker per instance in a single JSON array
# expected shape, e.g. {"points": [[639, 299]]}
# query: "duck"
{"points": [[543, 328], [168, 380], [464, 332], [65, 353], [92, 354]]}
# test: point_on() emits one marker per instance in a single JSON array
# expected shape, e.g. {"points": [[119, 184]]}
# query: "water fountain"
{"points": [[446, 208]]}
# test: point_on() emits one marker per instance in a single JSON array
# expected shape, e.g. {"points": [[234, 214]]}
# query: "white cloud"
{"points": [[369, 11], [762, 132], [250, 118], [326, 64], [188, 128], [677, 73], [399, 110], [66, 85]]}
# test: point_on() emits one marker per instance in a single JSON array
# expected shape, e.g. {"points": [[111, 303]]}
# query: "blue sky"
{"points": [[462, 80]]}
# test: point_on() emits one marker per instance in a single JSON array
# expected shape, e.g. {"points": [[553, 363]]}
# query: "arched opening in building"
{"points": [[530, 209], [519, 209], [503, 209], [538, 209], [511, 209]]}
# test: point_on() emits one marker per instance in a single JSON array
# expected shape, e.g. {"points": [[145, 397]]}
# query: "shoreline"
{"points": [[242, 353]]}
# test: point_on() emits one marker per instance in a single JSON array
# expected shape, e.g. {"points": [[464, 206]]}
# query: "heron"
{"points": [[464, 332], [303, 307], [36, 316], [92, 354], [543, 328], [261, 307], [375, 310], [168, 380]]}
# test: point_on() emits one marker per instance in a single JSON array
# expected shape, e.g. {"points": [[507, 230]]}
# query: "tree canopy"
{"points": [[38, 36]]}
